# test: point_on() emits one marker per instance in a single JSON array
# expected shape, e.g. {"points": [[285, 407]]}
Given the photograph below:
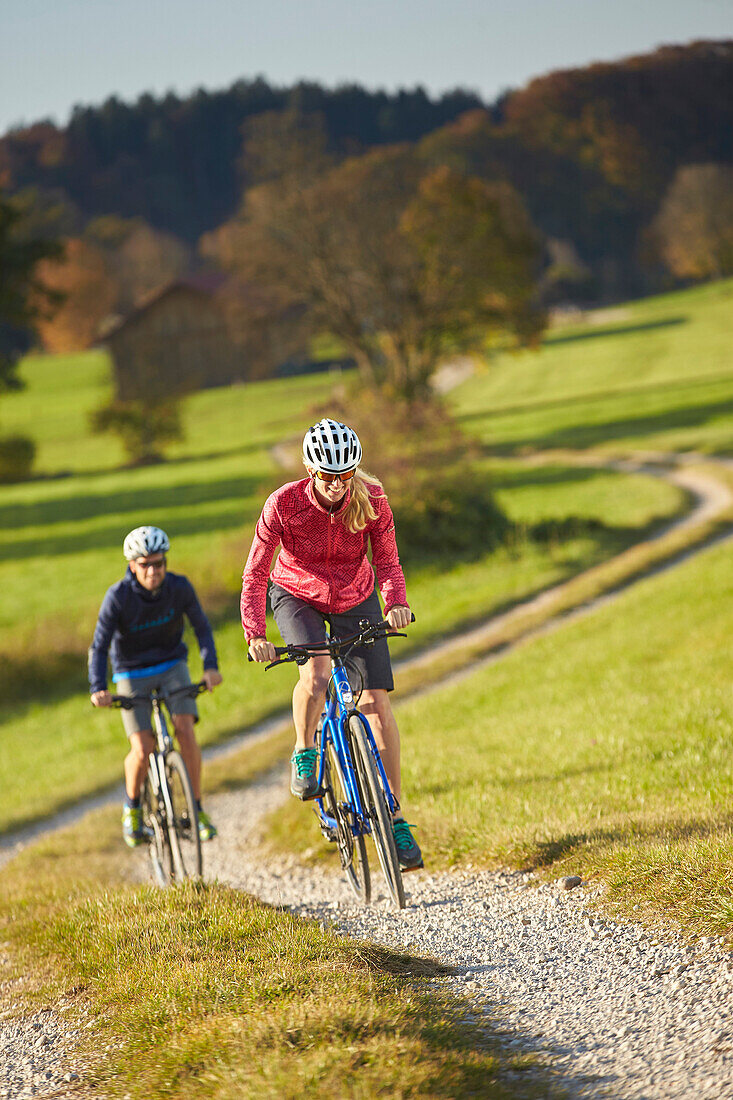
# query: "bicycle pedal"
{"points": [[418, 867]]}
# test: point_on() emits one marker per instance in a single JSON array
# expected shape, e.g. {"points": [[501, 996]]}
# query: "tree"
{"points": [[23, 296], [694, 227], [87, 293], [143, 425], [403, 264], [142, 259]]}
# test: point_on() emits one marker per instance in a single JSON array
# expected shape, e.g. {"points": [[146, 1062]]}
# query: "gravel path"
{"points": [[608, 1010], [37, 1050]]}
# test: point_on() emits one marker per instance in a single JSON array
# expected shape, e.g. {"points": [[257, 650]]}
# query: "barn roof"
{"points": [[205, 283]]}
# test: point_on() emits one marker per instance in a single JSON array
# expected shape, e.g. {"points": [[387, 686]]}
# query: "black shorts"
{"points": [[299, 622]]}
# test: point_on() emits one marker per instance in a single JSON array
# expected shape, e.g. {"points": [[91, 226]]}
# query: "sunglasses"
{"points": [[159, 563], [328, 479]]}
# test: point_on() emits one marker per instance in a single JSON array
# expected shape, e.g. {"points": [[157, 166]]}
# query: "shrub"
{"points": [[143, 426], [17, 453]]}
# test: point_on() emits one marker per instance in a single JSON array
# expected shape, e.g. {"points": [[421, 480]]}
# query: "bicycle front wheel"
{"points": [[183, 830], [154, 817], [352, 849], [378, 810]]}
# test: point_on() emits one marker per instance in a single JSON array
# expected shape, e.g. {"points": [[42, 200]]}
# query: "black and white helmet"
{"points": [[144, 541], [332, 447]]}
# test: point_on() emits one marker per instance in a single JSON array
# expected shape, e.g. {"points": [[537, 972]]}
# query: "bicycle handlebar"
{"points": [[332, 646], [127, 702]]}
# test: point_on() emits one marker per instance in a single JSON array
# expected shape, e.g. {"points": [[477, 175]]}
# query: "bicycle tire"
{"points": [[183, 830], [352, 849], [375, 799], [158, 847]]}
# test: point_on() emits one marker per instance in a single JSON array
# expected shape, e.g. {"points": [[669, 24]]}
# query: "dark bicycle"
{"points": [[168, 806], [355, 799]]}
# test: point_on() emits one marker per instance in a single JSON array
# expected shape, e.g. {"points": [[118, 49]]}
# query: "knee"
{"points": [[315, 684], [184, 727], [140, 750], [376, 704]]}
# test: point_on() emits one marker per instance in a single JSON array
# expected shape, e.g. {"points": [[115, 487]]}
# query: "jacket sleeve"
{"points": [[267, 538], [99, 649], [385, 558], [201, 627]]}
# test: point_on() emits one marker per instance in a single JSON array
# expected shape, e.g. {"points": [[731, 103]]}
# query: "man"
{"points": [[140, 626]]}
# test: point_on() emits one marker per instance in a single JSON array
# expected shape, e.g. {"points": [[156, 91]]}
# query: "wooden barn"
{"points": [[195, 333]]}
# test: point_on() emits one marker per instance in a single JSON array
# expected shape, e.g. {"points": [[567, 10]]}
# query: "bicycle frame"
{"points": [[339, 709]]}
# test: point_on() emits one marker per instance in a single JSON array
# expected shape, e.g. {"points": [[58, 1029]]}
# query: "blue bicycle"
{"points": [[355, 799]]}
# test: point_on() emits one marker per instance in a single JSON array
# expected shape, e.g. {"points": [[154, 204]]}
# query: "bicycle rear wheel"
{"points": [[183, 830], [158, 847], [352, 849], [376, 805]]}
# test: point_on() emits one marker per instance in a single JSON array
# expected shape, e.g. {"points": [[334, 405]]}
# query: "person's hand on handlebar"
{"points": [[399, 617], [261, 650], [101, 698], [212, 678]]}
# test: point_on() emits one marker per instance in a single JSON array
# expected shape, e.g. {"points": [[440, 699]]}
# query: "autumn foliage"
{"points": [[404, 264]]}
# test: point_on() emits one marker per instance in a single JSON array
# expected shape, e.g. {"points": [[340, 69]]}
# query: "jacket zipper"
{"points": [[328, 557]]}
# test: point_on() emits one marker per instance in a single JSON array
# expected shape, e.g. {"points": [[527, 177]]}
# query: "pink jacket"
{"points": [[319, 560]]}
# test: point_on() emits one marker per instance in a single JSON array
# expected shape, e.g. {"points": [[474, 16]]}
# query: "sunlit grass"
{"points": [[656, 374], [603, 748], [48, 721], [200, 991]]}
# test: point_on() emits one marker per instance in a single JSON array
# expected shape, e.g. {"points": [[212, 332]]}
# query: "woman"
{"points": [[324, 525]]}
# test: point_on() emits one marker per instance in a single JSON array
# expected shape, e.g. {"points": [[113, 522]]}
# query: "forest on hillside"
{"points": [[608, 162]]}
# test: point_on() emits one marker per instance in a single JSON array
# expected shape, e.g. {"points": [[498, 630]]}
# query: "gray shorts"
{"points": [[140, 718], [298, 621]]}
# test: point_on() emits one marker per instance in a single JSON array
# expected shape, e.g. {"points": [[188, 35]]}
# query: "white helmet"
{"points": [[332, 447], [143, 541]]}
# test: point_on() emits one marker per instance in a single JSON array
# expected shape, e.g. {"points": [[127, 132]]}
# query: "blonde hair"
{"points": [[360, 510]]}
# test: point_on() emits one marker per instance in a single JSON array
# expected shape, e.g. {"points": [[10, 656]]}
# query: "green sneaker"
{"points": [[207, 829], [304, 774], [134, 831], [408, 853]]}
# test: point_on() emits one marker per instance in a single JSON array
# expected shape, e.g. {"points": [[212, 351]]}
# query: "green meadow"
{"points": [[652, 375], [604, 748], [61, 533]]}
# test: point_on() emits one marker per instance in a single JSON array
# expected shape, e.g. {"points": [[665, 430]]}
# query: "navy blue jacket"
{"points": [[140, 629]]}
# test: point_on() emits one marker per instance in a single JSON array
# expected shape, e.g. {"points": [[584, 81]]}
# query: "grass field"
{"points": [[656, 374], [60, 549]]}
